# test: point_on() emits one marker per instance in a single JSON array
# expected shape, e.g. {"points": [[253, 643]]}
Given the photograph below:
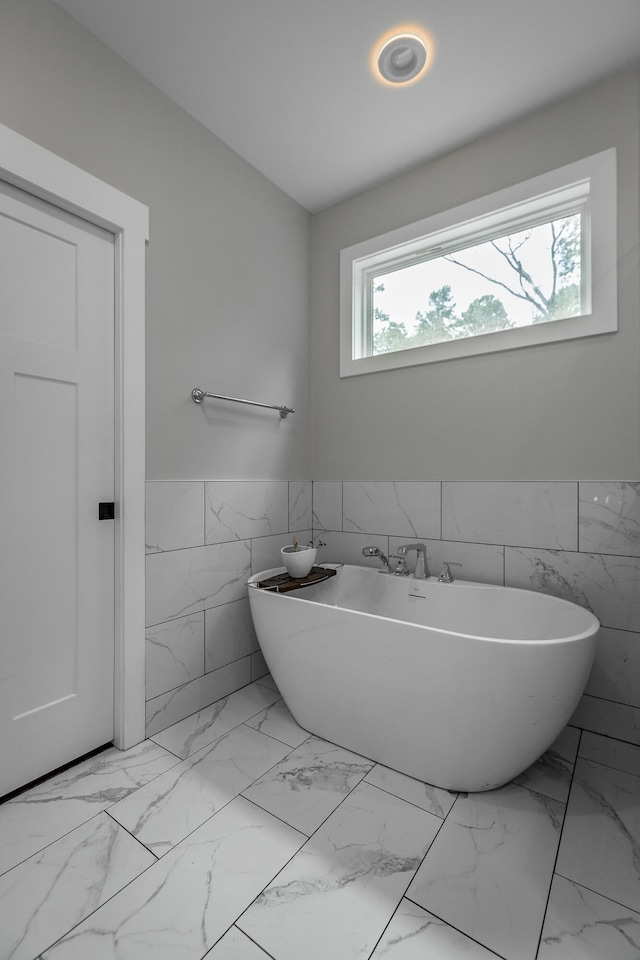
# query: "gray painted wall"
{"points": [[561, 411], [227, 264]]}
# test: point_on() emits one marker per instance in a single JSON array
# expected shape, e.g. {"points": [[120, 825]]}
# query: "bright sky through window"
{"points": [[527, 277]]}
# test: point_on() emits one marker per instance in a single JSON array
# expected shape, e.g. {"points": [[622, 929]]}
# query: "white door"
{"points": [[56, 464]]}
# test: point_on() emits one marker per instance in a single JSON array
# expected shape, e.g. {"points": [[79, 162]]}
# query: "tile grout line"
{"points": [[320, 825], [597, 893], [404, 895], [116, 893], [447, 923], [66, 833], [441, 919], [555, 861], [337, 807], [260, 710]]}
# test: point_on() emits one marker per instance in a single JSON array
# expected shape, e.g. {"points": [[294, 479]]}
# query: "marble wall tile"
{"points": [[215, 720], [335, 897], [609, 518], [300, 505], [259, 667], [169, 708], [265, 551], [185, 902], [174, 654], [305, 787], [481, 562], [608, 718], [48, 894], [173, 805], [600, 846], [229, 634], [472, 876], [347, 548], [414, 934], [404, 509], [607, 585], [580, 923], [528, 514], [327, 505], [174, 514], [242, 509], [182, 582], [610, 752], [42, 814], [537, 521], [616, 670]]}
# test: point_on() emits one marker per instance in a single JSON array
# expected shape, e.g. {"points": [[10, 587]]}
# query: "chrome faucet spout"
{"points": [[422, 567]]}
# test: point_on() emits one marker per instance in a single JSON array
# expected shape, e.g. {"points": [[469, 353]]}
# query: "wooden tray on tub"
{"points": [[284, 582]]}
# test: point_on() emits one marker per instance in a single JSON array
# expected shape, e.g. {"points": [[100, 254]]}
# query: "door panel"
{"points": [[57, 457]]}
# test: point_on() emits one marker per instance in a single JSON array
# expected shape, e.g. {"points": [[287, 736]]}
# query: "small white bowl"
{"points": [[298, 561]]}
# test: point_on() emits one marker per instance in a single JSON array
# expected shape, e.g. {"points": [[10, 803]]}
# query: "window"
{"points": [[532, 264]]}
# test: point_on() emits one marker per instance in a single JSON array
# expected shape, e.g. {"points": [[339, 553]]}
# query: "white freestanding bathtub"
{"points": [[462, 685]]}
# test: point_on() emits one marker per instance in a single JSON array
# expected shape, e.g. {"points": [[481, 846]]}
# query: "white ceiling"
{"points": [[287, 83]]}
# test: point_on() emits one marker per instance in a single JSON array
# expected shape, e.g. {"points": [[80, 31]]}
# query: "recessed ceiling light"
{"points": [[402, 58]]}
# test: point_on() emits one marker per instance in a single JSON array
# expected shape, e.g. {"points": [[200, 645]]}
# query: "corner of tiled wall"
{"points": [[204, 540], [576, 540]]}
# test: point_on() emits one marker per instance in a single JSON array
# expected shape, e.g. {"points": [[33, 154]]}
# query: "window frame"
{"points": [[588, 186]]}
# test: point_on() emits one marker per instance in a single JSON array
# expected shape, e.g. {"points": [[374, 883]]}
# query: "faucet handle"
{"points": [[445, 573], [401, 567]]}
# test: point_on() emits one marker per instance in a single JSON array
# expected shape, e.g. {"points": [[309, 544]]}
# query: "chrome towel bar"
{"points": [[198, 395]]}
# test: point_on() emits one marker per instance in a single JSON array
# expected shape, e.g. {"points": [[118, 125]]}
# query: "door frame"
{"points": [[41, 173]]}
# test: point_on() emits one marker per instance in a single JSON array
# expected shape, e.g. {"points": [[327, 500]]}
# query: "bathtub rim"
{"points": [[587, 634]]}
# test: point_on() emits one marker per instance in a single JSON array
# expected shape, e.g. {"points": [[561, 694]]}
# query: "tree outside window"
{"points": [[525, 278]]}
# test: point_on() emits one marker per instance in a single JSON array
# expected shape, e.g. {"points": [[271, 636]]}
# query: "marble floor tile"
{"points": [[235, 945], [348, 860], [45, 896], [47, 811], [600, 846], [414, 934], [335, 897], [582, 925], [268, 681], [164, 811], [305, 787], [551, 774], [276, 721], [201, 728], [433, 799], [473, 876], [181, 906]]}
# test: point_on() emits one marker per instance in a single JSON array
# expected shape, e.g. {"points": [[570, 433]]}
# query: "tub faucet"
{"points": [[422, 567], [376, 552]]}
